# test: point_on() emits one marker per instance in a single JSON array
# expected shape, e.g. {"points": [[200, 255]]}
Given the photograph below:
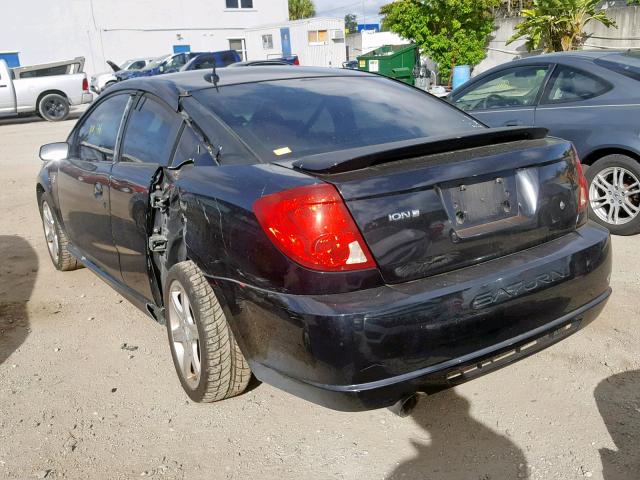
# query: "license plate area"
{"points": [[482, 202]]}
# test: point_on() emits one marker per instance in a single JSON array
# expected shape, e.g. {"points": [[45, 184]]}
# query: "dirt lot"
{"points": [[88, 390]]}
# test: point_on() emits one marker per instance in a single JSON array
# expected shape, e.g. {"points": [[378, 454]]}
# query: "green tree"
{"points": [[350, 23], [299, 9], [451, 32], [558, 25]]}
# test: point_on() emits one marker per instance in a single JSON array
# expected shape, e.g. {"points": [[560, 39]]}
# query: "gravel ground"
{"points": [[88, 390]]}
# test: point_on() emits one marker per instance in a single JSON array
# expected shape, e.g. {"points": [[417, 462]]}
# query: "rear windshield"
{"points": [[627, 63], [298, 117]]}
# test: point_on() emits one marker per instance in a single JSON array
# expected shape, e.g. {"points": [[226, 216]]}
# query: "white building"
{"points": [[41, 31], [318, 42], [368, 40]]}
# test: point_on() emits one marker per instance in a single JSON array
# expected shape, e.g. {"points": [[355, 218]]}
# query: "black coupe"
{"points": [[343, 236]]}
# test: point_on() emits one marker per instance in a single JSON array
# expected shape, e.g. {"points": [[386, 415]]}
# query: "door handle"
{"points": [[513, 123], [97, 190]]}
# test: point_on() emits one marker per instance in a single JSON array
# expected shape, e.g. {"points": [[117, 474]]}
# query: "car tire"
{"points": [[53, 107], [57, 242], [614, 193], [207, 358]]}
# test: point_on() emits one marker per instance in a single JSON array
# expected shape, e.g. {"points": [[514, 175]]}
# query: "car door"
{"points": [[505, 98], [7, 94], [83, 182], [571, 108], [147, 144]]}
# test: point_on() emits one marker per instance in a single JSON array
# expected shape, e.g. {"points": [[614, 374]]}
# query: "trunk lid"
{"points": [[434, 212]]}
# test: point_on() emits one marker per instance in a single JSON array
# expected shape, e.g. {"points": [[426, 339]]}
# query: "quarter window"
{"points": [[96, 138], [572, 85], [151, 133], [516, 87], [317, 37], [239, 3], [192, 147]]}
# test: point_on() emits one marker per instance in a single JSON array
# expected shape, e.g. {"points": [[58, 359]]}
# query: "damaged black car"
{"points": [[342, 236]]}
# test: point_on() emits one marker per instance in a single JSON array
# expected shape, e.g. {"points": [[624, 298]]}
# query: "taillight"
{"points": [[583, 190], [85, 84], [312, 226], [296, 61]]}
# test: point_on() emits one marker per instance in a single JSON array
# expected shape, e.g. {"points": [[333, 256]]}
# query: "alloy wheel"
{"points": [[54, 108], [50, 232], [615, 195], [184, 334]]}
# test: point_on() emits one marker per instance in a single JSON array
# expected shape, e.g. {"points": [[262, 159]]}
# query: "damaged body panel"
{"points": [[360, 251]]}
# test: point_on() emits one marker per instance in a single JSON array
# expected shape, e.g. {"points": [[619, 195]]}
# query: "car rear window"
{"points": [[627, 63], [298, 117]]}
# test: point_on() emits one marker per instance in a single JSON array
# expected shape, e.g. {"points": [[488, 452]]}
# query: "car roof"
{"points": [[170, 87], [559, 56]]}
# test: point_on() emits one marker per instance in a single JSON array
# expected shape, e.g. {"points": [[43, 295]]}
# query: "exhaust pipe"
{"points": [[405, 406]]}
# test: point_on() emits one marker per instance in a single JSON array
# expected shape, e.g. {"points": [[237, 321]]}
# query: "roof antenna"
{"points": [[213, 76]]}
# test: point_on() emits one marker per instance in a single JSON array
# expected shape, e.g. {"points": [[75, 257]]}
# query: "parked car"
{"points": [[179, 61], [590, 98], [351, 64], [342, 236], [103, 80], [207, 60], [39, 89]]}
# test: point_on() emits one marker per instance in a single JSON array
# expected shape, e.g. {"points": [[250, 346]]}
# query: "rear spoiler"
{"points": [[357, 158]]}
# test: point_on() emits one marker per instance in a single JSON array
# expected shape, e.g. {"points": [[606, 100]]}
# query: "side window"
{"points": [[96, 138], [151, 133], [191, 146], [137, 65], [516, 87], [571, 85], [176, 62], [206, 62]]}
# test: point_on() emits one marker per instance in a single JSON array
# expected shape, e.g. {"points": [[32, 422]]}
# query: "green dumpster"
{"points": [[395, 61]]}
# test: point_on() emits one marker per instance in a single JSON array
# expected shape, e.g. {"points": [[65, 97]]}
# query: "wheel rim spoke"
{"points": [[50, 233], [184, 334], [613, 195]]}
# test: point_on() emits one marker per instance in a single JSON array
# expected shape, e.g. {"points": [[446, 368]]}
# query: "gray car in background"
{"points": [[590, 98]]}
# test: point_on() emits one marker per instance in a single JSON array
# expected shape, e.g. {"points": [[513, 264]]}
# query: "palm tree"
{"points": [[558, 25], [301, 9]]}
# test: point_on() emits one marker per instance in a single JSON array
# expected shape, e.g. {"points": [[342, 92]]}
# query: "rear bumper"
{"points": [[370, 348], [87, 97]]}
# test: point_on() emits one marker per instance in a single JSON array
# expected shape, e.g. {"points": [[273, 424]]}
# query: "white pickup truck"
{"points": [[49, 89]]}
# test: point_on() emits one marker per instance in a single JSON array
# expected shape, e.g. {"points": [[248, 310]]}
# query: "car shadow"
{"points": [[618, 400], [459, 447], [18, 272], [74, 114]]}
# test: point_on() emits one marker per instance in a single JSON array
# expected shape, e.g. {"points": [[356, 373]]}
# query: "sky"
{"points": [[339, 8]]}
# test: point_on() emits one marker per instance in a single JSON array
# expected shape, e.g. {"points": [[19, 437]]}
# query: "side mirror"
{"points": [[53, 152]]}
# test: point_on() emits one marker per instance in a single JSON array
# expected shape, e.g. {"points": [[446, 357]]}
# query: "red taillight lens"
{"points": [[312, 226], [583, 190], [85, 84], [296, 61]]}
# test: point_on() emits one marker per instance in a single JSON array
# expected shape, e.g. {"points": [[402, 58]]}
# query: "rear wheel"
{"points": [[207, 358], [53, 107], [56, 239], [614, 194]]}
